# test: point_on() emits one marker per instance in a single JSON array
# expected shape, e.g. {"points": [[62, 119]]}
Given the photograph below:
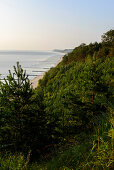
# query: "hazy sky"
{"points": [[50, 24]]}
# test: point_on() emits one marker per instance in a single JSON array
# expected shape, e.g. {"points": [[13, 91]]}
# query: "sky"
{"points": [[53, 24]]}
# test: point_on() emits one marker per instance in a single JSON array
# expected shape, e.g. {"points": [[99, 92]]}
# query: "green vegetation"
{"points": [[66, 122]]}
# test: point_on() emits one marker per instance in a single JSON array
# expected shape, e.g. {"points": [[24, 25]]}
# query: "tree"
{"points": [[22, 117], [15, 97], [108, 38]]}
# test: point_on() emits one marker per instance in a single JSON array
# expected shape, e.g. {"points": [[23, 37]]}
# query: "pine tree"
{"points": [[22, 117], [15, 95]]}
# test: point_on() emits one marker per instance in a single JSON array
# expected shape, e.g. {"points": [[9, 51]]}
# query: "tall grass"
{"points": [[94, 153], [83, 156]]}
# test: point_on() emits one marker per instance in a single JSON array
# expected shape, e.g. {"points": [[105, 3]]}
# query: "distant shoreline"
{"points": [[33, 62], [34, 81]]}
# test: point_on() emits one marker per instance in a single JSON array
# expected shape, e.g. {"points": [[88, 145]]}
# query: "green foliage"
{"points": [[77, 96], [21, 114], [81, 52], [100, 50], [15, 97], [100, 159], [84, 156], [73, 102], [108, 38], [15, 162]]}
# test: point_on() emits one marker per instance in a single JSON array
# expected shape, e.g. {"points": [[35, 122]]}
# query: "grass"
{"points": [[91, 154]]}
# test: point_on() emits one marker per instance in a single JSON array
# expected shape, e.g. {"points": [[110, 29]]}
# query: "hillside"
{"points": [[84, 75], [66, 122]]}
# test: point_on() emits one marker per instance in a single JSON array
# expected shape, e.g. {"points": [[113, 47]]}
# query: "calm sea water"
{"points": [[34, 62]]}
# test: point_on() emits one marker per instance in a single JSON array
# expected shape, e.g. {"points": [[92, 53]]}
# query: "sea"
{"points": [[33, 62]]}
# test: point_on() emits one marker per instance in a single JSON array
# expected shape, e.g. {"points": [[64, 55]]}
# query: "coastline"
{"points": [[34, 81]]}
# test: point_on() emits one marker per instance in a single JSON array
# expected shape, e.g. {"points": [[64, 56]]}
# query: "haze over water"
{"points": [[34, 62]]}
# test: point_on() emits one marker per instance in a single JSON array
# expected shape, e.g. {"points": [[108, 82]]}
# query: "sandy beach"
{"points": [[34, 82]]}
